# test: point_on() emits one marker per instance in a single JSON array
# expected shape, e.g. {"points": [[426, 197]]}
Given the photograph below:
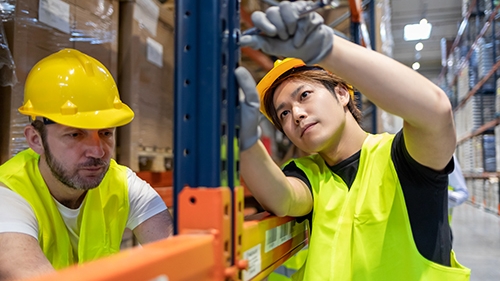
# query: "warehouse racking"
{"points": [[470, 79], [213, 240]]}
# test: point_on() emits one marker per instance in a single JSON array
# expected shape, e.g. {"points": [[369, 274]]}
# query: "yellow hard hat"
{"points": [[74, 89], [280, 67]]}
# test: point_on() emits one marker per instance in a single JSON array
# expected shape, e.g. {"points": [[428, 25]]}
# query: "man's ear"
{"points": [[342, 95], [34, 139]]}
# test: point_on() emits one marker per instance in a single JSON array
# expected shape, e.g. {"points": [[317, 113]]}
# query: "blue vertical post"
{"points": [[356, 38], [371, 9], [355, 34], [233, 113], [206, 54], [232, 102]]}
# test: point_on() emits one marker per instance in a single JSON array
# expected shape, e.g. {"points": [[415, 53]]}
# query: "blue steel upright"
{"points": [[356, 38], [206, 103]]}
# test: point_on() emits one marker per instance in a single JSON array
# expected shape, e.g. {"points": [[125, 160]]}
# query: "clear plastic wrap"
{"points": [[38, 28], [7, 66]]}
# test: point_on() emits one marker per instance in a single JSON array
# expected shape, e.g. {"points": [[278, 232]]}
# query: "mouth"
{"points": [[94, 165], [307, 127], [93, 169]]}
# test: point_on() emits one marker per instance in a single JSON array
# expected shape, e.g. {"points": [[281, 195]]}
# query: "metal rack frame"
{"points": [[477, 89], [212, 240]]}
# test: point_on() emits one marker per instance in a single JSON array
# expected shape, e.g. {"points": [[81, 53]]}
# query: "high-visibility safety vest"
{"points": [[103, 214], [364, 234]]}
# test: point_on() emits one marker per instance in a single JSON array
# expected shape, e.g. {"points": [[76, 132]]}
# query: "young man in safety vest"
{"points": [[378, 202], [64, 200]]}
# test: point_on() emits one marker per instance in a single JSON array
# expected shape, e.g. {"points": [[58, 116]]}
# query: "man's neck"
{"points": [[351, 141]]}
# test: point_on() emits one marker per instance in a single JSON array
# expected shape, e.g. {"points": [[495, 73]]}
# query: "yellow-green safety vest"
{"points": [[103, 214], [364, 234]]}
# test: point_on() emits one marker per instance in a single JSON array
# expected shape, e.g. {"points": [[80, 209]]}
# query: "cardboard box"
{"points": [[146, 84], [92, 29]]}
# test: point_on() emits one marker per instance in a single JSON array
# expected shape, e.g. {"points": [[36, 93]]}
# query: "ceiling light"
{"points": [[415, 65], [417, 31], [419, 46]]}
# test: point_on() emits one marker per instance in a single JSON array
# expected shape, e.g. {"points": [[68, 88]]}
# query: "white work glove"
{"points": [[285, 34], [250, 109]]}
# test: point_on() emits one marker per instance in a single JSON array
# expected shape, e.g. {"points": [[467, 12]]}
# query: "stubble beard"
{"points": [[71, 178]]}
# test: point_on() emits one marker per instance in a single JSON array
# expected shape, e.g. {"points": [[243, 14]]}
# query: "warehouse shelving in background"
{"points": [[470, 80]]}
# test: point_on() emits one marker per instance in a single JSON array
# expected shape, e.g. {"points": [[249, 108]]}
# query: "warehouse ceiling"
{"points": [[445, 17]]}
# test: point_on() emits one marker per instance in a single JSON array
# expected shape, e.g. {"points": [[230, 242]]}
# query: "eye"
{"points": [[106, 133], [73, 134], [284, 113], [304, 95]]}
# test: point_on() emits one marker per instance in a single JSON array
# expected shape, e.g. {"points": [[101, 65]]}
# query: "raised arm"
{"points": [[428, 121], [275, 192], [429, 130]]}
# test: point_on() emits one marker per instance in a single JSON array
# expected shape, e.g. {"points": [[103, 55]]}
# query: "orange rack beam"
{"points": [[214, 243], [183, 257]]}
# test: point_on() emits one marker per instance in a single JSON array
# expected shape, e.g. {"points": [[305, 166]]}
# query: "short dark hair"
{"points": [[314, 75], [39, 126]]}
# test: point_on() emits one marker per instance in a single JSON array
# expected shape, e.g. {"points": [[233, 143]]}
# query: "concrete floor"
{"points": [[476, 241]]}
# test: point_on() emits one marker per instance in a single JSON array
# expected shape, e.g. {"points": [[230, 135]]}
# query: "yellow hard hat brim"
{"points": [[280, 67], [101, 119]]}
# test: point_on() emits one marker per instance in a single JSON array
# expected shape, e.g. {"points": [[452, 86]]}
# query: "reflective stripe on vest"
{"points": [[103, 214], [364, 233]]}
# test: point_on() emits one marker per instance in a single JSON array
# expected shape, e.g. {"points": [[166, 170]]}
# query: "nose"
{"points": [[95, 146], [298, 114]]}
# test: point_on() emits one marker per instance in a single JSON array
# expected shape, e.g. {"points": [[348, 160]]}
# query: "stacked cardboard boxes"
{"points": [[146, 73], [133, 39], [41, 27]]}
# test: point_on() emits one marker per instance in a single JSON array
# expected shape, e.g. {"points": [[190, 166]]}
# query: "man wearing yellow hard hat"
{"points": [[378, 202], [64, 200]]}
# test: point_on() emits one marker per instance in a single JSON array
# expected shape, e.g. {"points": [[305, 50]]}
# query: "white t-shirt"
{"points": [[16, 214]]}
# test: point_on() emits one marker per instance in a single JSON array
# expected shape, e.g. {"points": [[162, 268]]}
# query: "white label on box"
{"points": [[146, 13], [154, 52], [54, 13], [254, 263], [278, 235]]}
